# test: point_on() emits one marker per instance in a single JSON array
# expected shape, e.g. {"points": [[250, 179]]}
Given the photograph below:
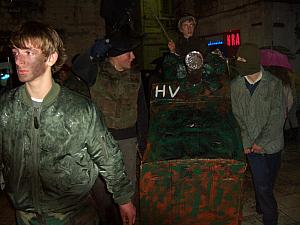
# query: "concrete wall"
{"points": [[78, 21], [248, 19], [289, 16]]}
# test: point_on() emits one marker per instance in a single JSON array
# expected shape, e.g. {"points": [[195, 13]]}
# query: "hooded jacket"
{"points": [[52, 154]]}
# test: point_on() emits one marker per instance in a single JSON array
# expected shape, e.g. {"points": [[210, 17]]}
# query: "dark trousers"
{"points": [[108, 210], [264, 169]]}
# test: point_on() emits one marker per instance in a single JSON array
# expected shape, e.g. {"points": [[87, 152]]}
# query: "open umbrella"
{"points": [[271, 57]]}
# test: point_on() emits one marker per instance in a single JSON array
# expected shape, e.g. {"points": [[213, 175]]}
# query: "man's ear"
{"points": [[52, 58]]}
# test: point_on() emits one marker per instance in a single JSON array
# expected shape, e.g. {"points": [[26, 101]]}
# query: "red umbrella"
{"points": [[271, 57]]}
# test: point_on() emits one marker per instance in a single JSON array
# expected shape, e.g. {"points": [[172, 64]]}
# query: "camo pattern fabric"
{"points": [[115, 94], [85, 215]]}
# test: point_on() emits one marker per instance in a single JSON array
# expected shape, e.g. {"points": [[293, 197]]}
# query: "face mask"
{"points": [[248, 61], [247, 68]]}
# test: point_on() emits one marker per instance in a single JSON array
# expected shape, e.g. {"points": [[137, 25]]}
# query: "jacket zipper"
{"points": [[35, 159]]}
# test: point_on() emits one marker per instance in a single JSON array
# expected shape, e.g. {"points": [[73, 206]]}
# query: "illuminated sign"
{"points": [[232, 39], [4, 76], [212, 43]]}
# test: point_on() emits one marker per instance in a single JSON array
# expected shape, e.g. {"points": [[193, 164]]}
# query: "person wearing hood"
{"points": [[187, 40], [257, 104]]}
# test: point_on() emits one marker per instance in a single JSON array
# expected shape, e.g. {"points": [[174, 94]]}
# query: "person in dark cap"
{"points": [[118, 93], [257, 104], [187, 40]]}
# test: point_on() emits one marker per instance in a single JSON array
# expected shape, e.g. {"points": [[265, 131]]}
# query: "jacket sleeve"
{"points": [[274, 126], [247, 143], [106, 154]]}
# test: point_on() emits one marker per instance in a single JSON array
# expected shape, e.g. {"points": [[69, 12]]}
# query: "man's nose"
{"points": [[19, 60]]}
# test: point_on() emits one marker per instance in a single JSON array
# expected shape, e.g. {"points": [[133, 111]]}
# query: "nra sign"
{"points": [[232, 38]]}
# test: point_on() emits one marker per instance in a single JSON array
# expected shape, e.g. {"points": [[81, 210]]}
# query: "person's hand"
{"points": [[247, 150], [172, 46], [100, 48], [256, 148], [128, 213]]}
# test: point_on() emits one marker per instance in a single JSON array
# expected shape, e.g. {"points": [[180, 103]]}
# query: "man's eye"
{"points": [[29, 53]]}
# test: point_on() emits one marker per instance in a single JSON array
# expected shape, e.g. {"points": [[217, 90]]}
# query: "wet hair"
{"points": [[40, 36]]}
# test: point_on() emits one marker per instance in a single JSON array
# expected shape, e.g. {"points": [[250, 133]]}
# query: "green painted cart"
{"points": [[192, 171]]}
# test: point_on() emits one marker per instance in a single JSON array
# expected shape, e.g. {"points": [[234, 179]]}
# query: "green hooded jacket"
{"points": [[52, 154]]}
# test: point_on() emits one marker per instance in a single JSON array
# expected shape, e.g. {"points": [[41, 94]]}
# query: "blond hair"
{"points": [[40, 36]]}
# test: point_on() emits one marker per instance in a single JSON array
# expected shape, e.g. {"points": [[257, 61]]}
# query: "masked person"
{"points": [[257, 104], [187, 40], [53, 142]]}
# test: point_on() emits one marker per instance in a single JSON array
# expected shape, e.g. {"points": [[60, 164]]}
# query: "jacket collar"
{"points": [[114, 74], [265, 76], [50, 97]]}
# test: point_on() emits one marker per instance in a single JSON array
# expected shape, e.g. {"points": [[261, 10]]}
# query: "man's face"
{"points": [[30, 63], [124, 61], [187, 29]]}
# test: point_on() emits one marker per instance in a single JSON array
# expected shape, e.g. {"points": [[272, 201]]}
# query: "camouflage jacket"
{"points": [[116, 95], [52, 154]]}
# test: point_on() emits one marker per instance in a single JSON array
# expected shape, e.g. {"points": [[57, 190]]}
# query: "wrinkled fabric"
{"points": [[85, 215], [261, 115], [116, 95], [51, 164]]}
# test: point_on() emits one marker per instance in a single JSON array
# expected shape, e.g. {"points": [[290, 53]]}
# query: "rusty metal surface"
{"points": [[191, 191]]}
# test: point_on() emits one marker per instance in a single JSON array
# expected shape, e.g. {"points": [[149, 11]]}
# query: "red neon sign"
{"points": [[233, 39]]}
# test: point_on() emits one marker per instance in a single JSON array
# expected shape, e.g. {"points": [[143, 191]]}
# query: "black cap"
{"points": [[123, 41]]}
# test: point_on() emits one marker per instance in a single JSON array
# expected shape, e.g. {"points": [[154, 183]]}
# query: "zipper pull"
{"points": [[35, 117], [36, 122]]}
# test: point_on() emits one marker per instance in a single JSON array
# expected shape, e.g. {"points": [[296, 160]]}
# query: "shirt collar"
{"points": [[253, 82]]}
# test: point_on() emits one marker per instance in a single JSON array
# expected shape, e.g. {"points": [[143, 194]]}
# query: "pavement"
{"points": [[287, 191]]}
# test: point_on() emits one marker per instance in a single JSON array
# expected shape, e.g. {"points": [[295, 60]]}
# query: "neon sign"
{"points": [[232, 39], [212, 43]]}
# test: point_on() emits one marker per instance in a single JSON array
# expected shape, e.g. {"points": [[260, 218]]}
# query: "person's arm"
{"points": [[237, 112], [86, 64], [274, 126], [105, 153], [128, 213], [172, 46], [84, 67], [289, 97]]}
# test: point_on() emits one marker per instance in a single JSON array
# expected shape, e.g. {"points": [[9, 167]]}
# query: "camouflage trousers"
{"points": [[85, 215]]}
